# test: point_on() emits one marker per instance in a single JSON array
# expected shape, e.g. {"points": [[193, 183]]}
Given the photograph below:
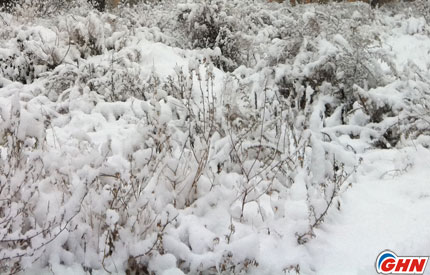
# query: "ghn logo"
{"points": [[389, 263]]}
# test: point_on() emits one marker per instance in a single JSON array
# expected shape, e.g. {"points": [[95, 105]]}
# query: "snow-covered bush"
{"points": [[211, 25], [198, 136], [32, 9]]}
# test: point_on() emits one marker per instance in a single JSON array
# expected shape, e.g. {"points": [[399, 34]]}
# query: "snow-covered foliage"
{"points": [[193, 137]]}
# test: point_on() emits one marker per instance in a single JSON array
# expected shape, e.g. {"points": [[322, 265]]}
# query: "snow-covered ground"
{"points": [[295, 140], [386, 209]]}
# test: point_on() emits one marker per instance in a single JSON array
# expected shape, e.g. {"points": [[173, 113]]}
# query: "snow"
{"points": [[112, 217], [296, 141], [386, 209], [410, 49]]}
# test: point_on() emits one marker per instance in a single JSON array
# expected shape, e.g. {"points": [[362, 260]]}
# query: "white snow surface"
{"points": [[386, 209]]}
